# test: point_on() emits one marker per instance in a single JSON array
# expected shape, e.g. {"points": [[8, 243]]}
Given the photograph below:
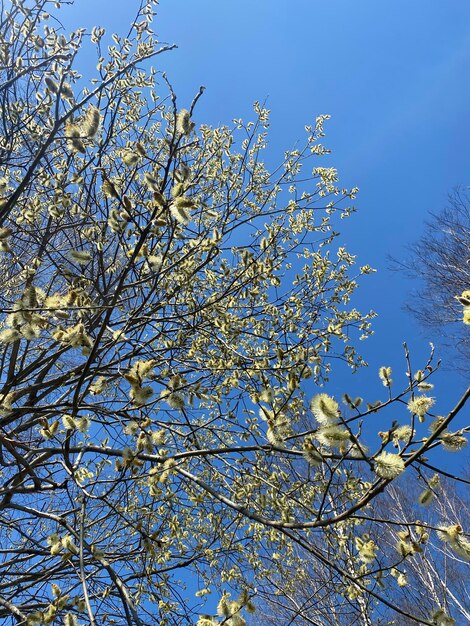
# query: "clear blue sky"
{"points": [[394, 78]]}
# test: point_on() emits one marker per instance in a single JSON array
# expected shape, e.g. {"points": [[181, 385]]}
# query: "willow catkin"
{"points": [[91, 123], [183, 122]]}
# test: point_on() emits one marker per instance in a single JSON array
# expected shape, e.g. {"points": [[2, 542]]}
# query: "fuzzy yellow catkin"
{"points": [[425, 497], [367, 550], [130, 158], [332, 436], [183, 122], [69, 422], [5, 233], [168, 469], [51, 85], [92, 121], [82, 257], [453, 442], [70, 620], [159, 198], [440, 618], [465, 297], [140, 395], [151, 182], [109, 189], [325, 409], [311, 453], [175, 400], [178, 190], [183, 202], [74, 336], [181, 215], [155, 262], [466, 315], [453, 535], [403, 433], [115, 223], [66, 91], [274, 436], [388, 465], [182, 173], [73, 134], [127, 204], [420, 405], [9, 335], [6, 402], [385, 375]]}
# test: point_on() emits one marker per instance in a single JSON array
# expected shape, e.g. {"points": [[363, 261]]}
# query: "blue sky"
{"points": [[394, 78]]}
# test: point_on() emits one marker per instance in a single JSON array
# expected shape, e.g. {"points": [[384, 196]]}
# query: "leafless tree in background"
{"points": [[440, 261]]}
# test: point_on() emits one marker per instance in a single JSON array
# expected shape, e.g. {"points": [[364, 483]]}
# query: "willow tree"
{"points": [[169, 308]]}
